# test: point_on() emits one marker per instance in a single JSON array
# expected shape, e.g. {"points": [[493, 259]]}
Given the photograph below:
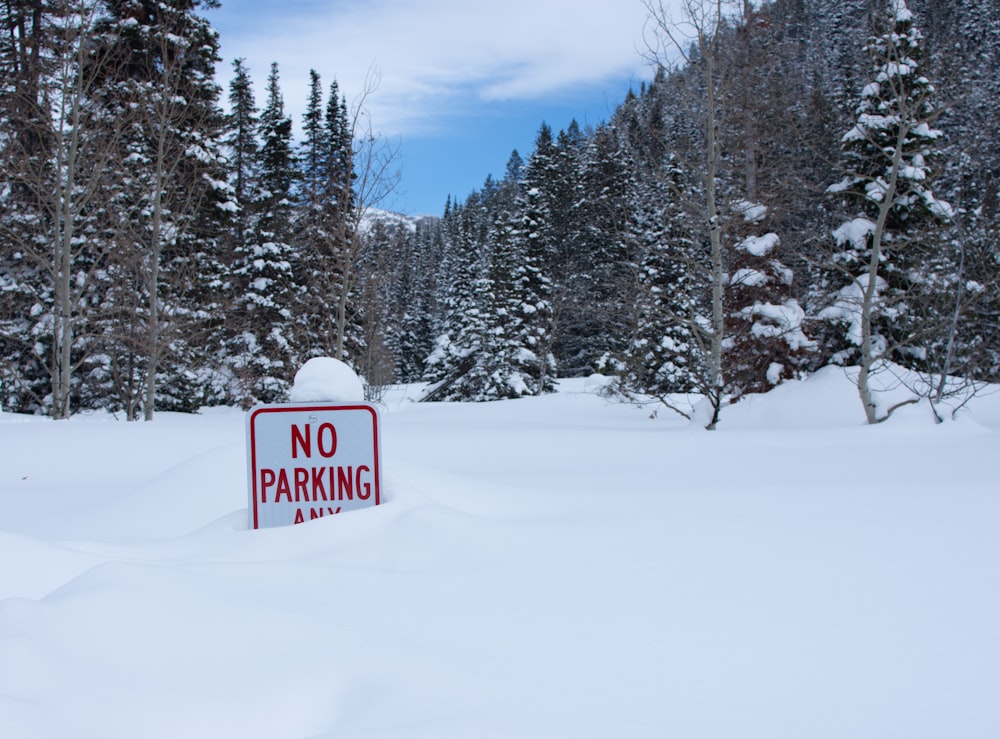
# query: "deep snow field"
{"points": [[555, 567]]}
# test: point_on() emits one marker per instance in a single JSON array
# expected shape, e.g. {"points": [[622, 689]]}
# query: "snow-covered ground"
{"points": [[554, 567]]}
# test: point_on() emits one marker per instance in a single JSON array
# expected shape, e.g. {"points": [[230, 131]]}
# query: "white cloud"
{"points": [[435, 56]]}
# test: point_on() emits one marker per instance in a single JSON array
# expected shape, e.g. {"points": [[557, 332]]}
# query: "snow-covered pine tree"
{"points": [[493, 372], [566, 242], [345, 247], [513, 356], [325, 227], [888, 156], [606, 251], [462, 296], [662, 352], [529, 308], [315, 320], [277, 167], [414, 298], [962, 49], [258, 354], [242, 147]]}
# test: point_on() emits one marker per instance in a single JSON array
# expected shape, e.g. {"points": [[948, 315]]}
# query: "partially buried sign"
{"points": [[307, 461]]}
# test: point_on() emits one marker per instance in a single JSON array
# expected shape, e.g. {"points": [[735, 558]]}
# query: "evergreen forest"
{"points": [[802, 183]]}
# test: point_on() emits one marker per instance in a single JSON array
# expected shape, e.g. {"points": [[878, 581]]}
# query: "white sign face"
{"points": [[307, 461]]}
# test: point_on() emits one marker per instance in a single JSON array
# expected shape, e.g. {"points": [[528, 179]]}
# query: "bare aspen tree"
{"points": [[347, 170], [172, 192], [374, 179], [66, 175], [692, 38], [888, 155]]}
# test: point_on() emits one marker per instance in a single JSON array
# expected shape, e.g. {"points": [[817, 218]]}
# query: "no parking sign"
{"points": [[310, 460]]}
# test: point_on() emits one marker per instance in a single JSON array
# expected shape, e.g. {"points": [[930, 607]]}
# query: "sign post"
{"points": [[310, 460]]}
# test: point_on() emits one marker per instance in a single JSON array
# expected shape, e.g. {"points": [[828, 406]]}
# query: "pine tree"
{"points": [[463, 301], [273, 296], [605, 280], [258, 354], [962, 50], [327, 227], [414, 293], [659, 359], [242, 145], [531, 302], [277, 166], [513, 356], [345, 246]]}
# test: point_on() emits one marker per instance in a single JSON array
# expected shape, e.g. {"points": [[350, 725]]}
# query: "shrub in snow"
{"points": [[766, 341]]}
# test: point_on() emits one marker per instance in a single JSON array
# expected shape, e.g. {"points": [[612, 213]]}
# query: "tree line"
{"points": [[803, 182], [159, 253]]}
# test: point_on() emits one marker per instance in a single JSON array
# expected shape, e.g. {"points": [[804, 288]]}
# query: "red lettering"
{"points": [[301, 439], [301, 483], [299, 518], [315, 513], [344, 481], [283, 488], [331, 433], [305, 484], [267, 479], [317, 483], [367, 485]]}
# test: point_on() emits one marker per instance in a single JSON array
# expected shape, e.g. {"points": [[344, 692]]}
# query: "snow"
{"points": [[374, 217], [901, 12], [561, 566], [854, 232], [326, 379], [848, 309], [780, 321], [923, 130], [751, 212], [845, 184], [749, 277], [759, 246], [940, 208]]}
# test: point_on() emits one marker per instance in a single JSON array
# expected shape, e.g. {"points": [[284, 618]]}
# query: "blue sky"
{"points": [[462, 83]]}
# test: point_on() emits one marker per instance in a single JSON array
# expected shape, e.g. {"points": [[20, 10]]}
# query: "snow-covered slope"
{"points": [[552, 567], [390, 219]]}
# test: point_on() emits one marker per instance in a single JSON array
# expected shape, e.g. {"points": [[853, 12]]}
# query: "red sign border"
{"points": [[305, 408]]}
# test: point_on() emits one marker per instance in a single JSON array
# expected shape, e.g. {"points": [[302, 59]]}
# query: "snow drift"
{"points": [[559, 566]]}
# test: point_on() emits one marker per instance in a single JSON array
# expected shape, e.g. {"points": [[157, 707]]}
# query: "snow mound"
{"points": [[326, 379], [598, 383]]}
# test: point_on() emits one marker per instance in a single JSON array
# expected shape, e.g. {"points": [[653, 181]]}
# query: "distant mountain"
{"points": [[392, 220]]}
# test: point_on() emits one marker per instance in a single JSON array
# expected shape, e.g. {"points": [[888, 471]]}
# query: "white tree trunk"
{"points": [[870, 295]]}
